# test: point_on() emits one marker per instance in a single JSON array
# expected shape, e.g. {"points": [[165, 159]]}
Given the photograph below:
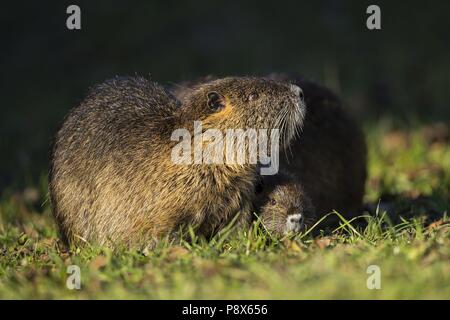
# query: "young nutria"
{"points": [[328, 156], [112, 177], [283, 206]]}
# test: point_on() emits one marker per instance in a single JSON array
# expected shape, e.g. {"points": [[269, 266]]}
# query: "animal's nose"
{"points": [[295, 218], [294, 223], [297, 91]]}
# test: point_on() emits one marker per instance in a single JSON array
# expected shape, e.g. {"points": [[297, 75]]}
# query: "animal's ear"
{"points": [[215, 101]]}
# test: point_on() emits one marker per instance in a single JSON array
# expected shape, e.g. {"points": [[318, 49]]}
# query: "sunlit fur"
{"points": [[112, 179], [328, 155]]}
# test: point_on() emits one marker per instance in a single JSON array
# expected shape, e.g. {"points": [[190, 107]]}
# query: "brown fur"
{"points": [[328, 157], [112, 179], [280, 197]]}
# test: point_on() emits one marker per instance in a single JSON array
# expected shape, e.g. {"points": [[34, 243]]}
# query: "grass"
{"points": [[407, 170]]}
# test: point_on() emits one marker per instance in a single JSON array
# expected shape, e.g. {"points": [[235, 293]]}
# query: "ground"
{"points": [[406, 243]]}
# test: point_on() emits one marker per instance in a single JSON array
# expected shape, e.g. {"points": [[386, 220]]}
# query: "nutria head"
{"points": [[245, 103], [284, 207]]}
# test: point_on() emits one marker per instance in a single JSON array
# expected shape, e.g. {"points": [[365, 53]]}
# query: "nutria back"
{"points": [[103, 155]]}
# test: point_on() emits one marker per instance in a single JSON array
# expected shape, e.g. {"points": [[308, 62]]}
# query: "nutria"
{"points": [[328, 157], [330, 154], [112, 177], [282, 205]]}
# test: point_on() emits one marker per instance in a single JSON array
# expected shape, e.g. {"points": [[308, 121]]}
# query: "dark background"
{"points": [[401, 72]]}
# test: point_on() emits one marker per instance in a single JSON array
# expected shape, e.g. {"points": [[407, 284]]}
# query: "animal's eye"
{"points": [[253, 96], [273, 202], [215, 101]]}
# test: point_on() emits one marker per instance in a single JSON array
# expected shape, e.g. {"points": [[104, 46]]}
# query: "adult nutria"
{"points": [[329, 155], [112, 177], [283, 206]]}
